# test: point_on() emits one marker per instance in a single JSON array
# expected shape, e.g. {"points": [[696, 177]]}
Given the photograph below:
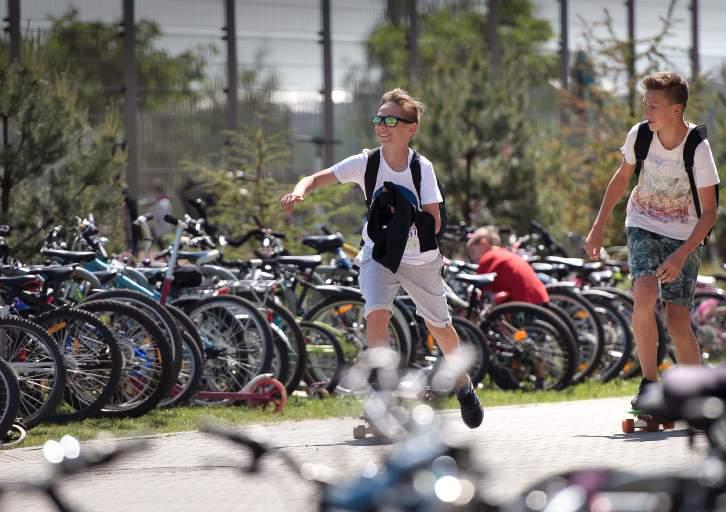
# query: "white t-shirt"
{"points": [[662, 202], [353, 169]]}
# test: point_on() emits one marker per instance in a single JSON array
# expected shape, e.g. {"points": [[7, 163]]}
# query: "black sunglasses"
{"points": [[390, 121]]}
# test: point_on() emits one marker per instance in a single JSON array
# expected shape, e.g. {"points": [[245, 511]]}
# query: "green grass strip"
{"points": [[182, 419]]}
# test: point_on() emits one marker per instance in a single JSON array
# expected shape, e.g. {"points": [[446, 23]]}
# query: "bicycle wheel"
{"points": [[36, 360], [238, 343], [185, 324], [618, 336], [471, 336], [294, 343], [189, 378], [404, 310], [427, 352], [345, 313], [531, 348], [325, 357], [92, 359], [589, 334], [9, 397], [156, 311], [625, 305], [280, 362], [287, 364], [148, 368], [708, 320]]}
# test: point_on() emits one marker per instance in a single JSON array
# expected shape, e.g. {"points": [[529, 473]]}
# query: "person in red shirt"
{"points": [[514, 275]]}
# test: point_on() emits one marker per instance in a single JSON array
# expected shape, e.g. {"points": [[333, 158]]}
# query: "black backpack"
{"points": [[374, 162], [695, 137]]}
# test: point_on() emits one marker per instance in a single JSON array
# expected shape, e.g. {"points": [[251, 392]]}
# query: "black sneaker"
{"points": [[471, 409], [644, 383]]}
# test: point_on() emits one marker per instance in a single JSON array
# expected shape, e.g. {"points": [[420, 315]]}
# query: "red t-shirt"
{"points": [[514, 275]]}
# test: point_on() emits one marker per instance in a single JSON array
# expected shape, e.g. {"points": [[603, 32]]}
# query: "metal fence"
{"points": [[286, 34]]}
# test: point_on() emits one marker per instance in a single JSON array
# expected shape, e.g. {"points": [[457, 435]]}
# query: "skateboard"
{"points": [[646, 422], [365, 428]]}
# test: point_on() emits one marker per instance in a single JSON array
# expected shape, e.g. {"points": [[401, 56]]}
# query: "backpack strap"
{"points": [[374, 161], [416, 175], [695, 137], [642, 145]]}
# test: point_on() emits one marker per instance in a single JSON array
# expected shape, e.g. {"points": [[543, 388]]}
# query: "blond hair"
{"points": [[488, 233], [413, 107], [674, 85]]}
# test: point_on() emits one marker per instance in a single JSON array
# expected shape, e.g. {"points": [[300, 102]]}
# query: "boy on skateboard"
{"points": [[400, 246], [669, 215]]}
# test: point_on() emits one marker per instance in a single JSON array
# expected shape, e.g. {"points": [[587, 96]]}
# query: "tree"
{"points": [[246, 192], [580, 161], [479, 130], [237, 181], [54, 165], [92, 52]]}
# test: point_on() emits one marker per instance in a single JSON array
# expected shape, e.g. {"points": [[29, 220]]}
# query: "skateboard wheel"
{"points": [[359, 432], [318, 392], [669, 425], [652, 426], [629, 426]]}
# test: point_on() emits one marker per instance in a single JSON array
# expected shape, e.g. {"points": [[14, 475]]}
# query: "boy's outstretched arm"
{"points": [[306, 185], [615, 191]]}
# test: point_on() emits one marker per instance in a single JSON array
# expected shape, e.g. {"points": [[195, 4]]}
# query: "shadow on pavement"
{"points": [[642, 436]]}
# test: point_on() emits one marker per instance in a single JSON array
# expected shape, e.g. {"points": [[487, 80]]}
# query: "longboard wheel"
{"points": [[359, 432], [318, 392], [629, 426], [652, 426], [669, 425]]}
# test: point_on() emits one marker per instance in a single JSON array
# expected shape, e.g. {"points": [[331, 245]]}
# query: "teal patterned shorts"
{"points": [[646, 252]]}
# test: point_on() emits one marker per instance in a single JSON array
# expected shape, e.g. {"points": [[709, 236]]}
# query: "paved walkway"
{"points": [[193, 472]]}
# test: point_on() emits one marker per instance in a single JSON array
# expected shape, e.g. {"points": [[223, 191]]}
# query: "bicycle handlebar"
{"points": [[185, 225], [259, 233], [257, 449]]}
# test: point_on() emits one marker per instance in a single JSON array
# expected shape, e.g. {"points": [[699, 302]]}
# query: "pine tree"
{"points": [[54, 165]]}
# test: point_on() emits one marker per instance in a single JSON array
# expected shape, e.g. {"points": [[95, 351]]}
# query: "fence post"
{"points": [[631, 55], [13, 27], [232, 89], [130, 100], [492, 37], [695, 48], [414, 61], [325, 40], [564, 46]]}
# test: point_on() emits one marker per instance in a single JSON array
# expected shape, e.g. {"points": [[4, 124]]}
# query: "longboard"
{"points": [[365, 428], [646, 422]]}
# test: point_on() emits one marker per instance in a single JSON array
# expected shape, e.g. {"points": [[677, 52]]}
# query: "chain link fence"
{"points": [[280, 39]]}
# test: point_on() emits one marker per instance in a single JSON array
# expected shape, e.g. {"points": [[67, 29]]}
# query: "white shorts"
{"points": [[423, 283]]}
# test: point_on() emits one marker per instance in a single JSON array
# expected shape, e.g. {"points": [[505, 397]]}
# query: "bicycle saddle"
{"points": [[324, 243]]}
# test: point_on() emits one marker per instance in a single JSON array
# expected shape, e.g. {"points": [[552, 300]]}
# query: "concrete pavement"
{"points": [[191, 471]]}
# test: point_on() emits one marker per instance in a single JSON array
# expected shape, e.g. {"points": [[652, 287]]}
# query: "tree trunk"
{"points": [[7, 180], [467, 203]]}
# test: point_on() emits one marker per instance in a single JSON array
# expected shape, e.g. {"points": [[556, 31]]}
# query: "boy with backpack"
{"points": [[400, 237], [670, 215]]}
